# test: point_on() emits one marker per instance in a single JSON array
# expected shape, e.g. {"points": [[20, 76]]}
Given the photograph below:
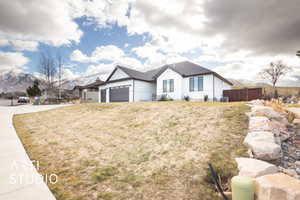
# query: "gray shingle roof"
{"points": [[185, 69], [136, 74]]}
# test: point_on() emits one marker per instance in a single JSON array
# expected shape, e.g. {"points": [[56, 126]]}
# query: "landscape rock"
{"points": [[279, 129], [265, 111], [277, 187], [290, 172], [259, 124], [259, 136], [296, 121], [254, 168], [256, 102], [265, 150]]}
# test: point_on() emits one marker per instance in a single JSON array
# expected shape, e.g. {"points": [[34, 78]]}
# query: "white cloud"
{"points": [[44, 21], [78, 56], [103, 70], [20, 45], [101, 13], [69, 74], [102, 53], [249, 68], [155, 57], [12, 60], [107, 53], [131, 62]]}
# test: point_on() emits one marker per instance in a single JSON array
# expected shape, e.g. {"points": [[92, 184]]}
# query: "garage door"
{"points": [[119, 94], [103, 95]]}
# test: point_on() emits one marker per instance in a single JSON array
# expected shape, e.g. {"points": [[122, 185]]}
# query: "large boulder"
{"points": [[259, 124], [265, 111], [259, 136], [256, 102], [280, 129], [254, 168], [277, 187], [264, 150]]}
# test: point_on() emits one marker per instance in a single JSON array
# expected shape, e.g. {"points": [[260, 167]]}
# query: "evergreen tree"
{"points": [[34, 90]]}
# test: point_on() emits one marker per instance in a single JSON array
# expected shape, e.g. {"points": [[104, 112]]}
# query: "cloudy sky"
{"points": [[235, 38]]}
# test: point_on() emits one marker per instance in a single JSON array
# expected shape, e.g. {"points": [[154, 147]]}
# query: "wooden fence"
{"points": [[246, 94]]}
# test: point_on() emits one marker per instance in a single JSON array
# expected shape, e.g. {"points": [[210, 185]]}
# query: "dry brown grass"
{"points": [[156, 150]]}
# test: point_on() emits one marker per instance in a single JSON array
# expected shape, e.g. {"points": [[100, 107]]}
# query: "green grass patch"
{"points": [[103, 173]]}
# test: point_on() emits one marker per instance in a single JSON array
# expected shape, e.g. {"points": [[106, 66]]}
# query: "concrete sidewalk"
{"points": [[19, 179]]}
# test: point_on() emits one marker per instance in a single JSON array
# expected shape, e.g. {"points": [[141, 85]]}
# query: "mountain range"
{"points": [[12, 81]]}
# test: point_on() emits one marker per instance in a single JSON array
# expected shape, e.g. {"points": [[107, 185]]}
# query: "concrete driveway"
{"points": [[19, 179]]}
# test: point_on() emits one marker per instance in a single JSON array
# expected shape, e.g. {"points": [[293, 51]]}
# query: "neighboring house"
{"points": [[88, 93], [77, 91], [175, 81]]}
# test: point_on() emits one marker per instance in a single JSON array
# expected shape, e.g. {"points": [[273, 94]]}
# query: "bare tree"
{"points": [[274, 72], [47, 67], [60, 73]]}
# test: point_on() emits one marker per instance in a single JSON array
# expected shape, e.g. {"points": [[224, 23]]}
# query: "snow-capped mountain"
{"points": [[84, 80], [12, 81]]}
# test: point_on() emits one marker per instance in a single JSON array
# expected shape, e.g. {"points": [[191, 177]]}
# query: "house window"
{"points": [[196, 84], [168, 85]]}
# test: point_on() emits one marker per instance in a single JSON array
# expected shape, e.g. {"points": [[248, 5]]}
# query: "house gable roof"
{"points": [[133, 74], [185, 69], [188, 68]]}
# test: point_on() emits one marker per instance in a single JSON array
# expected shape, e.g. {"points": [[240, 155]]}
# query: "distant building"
{"points": [[88, 93]]}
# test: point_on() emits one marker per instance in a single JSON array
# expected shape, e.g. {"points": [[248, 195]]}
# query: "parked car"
{"points": [[23, 100]]}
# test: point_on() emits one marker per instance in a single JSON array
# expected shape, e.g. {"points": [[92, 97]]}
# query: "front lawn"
{"points": [[153, 150]]}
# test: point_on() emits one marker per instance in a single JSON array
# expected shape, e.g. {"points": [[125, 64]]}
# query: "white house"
{"points": [[176, 81]]}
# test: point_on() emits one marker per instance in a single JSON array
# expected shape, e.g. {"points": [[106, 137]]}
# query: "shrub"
{"points": [[186, 98], [206, 98], [164, 97], [224, 99]]}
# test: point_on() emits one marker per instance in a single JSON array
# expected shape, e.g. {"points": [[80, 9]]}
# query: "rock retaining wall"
{"points": [[274, 146]]}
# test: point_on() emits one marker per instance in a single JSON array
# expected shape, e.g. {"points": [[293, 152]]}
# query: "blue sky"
{"points": [[94, 36]]}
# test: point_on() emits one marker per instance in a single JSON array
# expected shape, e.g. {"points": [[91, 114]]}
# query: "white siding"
{"points": [[166, 75], [220, 85], [143, 90], [199, 95], [212, 86], [119, 74], [116, 84]]}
